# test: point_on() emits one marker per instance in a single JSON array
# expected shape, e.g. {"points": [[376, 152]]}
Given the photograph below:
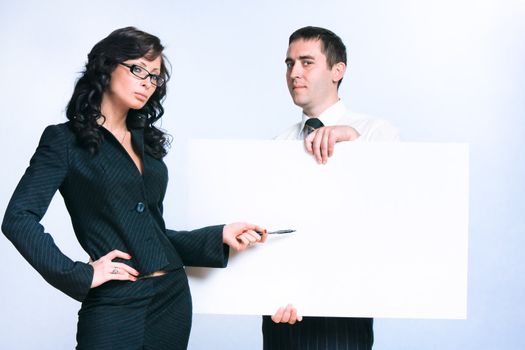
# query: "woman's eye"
{"points": [[137, 70]]}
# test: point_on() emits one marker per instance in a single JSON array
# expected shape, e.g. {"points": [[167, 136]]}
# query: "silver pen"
{"points": [[278, 232]]}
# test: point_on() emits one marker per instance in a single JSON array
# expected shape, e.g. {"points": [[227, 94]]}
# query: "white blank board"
{"points": [[381, 229]]}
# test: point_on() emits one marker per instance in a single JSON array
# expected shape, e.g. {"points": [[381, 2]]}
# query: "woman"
{"points": [[107, 163]]}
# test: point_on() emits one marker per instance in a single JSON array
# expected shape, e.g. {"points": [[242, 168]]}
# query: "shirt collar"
{"points": [[330, 116]]}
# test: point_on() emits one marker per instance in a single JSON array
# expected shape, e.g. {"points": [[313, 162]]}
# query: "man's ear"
{"points": [[338, 71]]}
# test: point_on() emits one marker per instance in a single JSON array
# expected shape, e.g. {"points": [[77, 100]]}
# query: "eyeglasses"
{"points": [[142, 73]]}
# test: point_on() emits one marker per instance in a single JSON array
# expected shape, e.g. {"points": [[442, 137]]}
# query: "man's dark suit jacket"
{"points": [[112, 206]]}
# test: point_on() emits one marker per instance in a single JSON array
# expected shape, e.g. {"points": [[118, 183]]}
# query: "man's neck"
{"points": [[316, 111]]}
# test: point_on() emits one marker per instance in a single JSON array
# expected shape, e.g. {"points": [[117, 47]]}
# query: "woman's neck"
{"points": [[115, 117]]}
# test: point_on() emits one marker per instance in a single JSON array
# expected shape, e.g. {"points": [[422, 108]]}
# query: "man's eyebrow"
{"points": [[305, 57]]}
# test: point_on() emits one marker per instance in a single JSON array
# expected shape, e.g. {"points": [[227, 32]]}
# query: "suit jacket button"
{"points": [[140, 207]]}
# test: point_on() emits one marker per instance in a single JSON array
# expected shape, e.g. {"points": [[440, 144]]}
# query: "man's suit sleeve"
{"points": [[21, 224], [201, 247]]}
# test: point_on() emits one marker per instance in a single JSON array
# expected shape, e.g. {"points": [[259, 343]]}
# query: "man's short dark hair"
{"points": [[332, 45]]}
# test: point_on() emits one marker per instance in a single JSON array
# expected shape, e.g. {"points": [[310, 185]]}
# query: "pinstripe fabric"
{"points": [[151, 313], [319, 333], [112, 206]]}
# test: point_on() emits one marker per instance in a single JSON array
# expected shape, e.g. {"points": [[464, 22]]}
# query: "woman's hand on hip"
{"points": [[106, 269], [241, 235]]}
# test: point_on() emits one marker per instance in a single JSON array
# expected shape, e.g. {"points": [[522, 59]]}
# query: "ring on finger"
{"points": [[114, 271]]}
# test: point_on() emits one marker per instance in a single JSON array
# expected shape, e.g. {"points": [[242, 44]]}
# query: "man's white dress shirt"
{"points": [[369, 128]]}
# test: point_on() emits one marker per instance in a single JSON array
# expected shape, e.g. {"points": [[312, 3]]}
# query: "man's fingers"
{"points": [[321, 142], [293, 316], [332, 139], [325, 144], [278, 315], [286, 315], [317, 144], [308, 145]]}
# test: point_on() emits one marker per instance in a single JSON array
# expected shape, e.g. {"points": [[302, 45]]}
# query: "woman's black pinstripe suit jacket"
{"points": [[112, 206]]}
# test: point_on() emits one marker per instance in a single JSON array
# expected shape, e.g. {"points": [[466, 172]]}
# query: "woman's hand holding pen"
{"points": [[106, 269], [240, 235]]}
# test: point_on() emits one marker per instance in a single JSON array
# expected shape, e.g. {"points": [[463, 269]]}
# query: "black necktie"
{"points": [[312, 124]]}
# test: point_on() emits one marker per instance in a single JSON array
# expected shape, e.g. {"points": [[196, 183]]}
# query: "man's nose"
{"points": [[296, 70]]}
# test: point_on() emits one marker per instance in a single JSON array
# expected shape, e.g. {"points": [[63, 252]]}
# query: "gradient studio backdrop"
{"points": [[440, 71]]}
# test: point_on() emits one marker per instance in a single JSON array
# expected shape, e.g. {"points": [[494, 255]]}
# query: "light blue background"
{"points": [[438, 70]]}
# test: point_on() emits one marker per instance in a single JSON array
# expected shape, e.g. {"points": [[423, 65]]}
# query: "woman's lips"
{"points": [[140, 96]]}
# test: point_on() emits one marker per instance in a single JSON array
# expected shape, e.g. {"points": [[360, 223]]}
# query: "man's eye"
{"points": [[307, 63], [289, 65]]}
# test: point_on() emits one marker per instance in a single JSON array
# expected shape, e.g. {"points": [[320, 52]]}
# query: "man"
{"points": [[315, 66]]}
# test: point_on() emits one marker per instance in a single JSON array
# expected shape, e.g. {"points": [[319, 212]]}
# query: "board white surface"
{"points": [[381, 230]]}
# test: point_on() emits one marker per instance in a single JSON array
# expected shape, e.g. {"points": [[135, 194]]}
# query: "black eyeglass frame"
{"points": [[157, 80]]}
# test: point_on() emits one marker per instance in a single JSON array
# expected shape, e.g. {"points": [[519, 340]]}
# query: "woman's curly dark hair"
{"points": [[83, 109]]}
